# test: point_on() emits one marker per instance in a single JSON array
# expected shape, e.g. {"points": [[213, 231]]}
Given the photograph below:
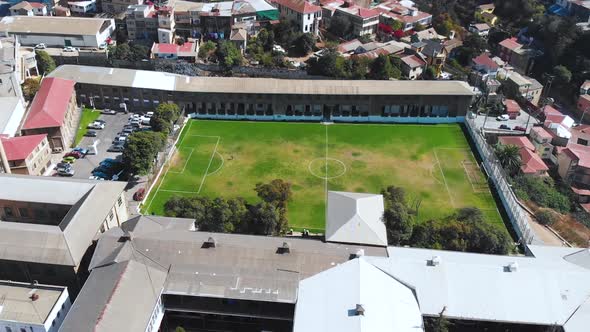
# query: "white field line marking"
{"points": [[185, 163], [178, 191], [188, 130], [158, 189], [210, 161], [220, 166], [444, 178]]}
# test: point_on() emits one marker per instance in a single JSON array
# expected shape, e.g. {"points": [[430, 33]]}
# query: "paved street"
{"points": [[491, 124]]}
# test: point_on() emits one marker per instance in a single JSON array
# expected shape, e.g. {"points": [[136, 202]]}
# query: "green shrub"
{"points": [[546, 217], [542, 191]]}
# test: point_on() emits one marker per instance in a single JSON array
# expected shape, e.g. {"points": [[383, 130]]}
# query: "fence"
{"points": [[518, 217]]}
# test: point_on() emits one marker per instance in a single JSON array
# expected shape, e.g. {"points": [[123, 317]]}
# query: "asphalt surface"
{"points": [[491, 124]]}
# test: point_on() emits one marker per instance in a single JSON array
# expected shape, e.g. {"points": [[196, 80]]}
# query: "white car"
{"points": [[102, 46], [96, 125], [40, 46], [69, 49], [503, 117], [149, 114]]}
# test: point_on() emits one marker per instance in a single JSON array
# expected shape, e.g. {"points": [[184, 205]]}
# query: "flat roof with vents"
{"points": [[17, 304]]}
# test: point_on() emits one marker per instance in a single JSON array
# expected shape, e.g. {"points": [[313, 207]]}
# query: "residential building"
{"points": [[559, 125], [225, 281], [435, 54], [26, 8], [117, 6], [573, 162], [32, 307], [82, 8], [59, 31], [12, 111], [62, 11], [363, 21], [48, 223], [27, 155], [512, 108], [240, 38], [532, 164], [485, 67], [413, 66], [306, 15], [480, 29], [410, 17], [516, 54], [520, 86], [187, 51], [273, 99], [541, 139], [145, 22], [54, 112]]}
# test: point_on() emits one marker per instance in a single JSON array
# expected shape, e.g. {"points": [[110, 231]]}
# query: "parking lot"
{"points": [[491, 124]]}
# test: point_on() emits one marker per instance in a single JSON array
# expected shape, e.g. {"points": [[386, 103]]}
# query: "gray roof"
{"points": [[432, 47], [8, 112], [105, 301], [172, 82], [75, 26], [355, 218], [65, 243]]}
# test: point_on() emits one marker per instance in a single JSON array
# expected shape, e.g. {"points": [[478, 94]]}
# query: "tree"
{"points": [[206, 50], [509, 157], [429, 74], [359, 67], [305, 43], [179, 329], [340, 26], [277, 192], [45, 62], [562, 75], [264, 219], [396, 25], [139, 52], [141, 149], [228, 54], [30, 87], [285, 33], [382, 69], [330, 64], [164, 116], [397, 216]]}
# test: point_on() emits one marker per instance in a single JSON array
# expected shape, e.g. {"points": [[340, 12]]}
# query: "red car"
{"points": [[75, 154], [519, 128]]}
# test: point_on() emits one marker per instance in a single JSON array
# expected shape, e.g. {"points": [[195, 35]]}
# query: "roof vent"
{"points": [[512, 267], [357, 254], [210, 243], [359, 310], [125, 237], [284, 249], [434, 261], [34, 297]]}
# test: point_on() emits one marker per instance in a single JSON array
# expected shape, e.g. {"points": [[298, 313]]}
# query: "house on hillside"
{"points": [[364, 21], [485, 13], [409, 17], [520, 86], [26, 8], [305, 14], [512, 108], [532, 164], [480, 29], [187, 51], [413, 66], [573, 162], [541, 139], [435, 54], [54, 112]]}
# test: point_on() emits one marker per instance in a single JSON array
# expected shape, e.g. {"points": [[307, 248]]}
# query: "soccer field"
{"points": [[433, 163]]}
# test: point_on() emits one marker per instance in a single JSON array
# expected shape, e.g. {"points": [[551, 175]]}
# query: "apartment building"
{"points": [[541, 139], [54, 112], [145, 22], [521, 86], [117, 6], [48, 223], [27, 155], [26, 8], [305, 14], [364, 21], [409, 17]]}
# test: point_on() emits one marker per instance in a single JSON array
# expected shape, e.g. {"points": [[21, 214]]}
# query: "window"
{"points": [[23, 212], [8, 212], [120, 201], [582, 141], [111, 215], [8, 329]]}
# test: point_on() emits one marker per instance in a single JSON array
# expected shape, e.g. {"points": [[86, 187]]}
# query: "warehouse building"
{"points": [[272, 99]]}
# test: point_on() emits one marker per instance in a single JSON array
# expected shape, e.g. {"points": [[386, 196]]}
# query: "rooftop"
{"points": [[20, 147], [299, 6], [485, 61], [65, 243], [50, 104], [520, 141], [18, 304], [413, 61], [512, 106], [184, 49], [510, 43], [542, 132], [53, 25], [172, 82], [531, 162], [580, 152]]}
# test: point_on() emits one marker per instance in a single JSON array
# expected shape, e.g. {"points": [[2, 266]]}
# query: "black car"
{"points": [[90, 133], [504, 127], [100, 121], [63, 165]]}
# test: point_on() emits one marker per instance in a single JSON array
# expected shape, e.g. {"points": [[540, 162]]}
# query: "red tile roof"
{"points": [[520, 141], [510, 43], [172, 48], [512, 106], [413, 61], [300, 6], [20, 147], [50, 105], [531, 162], [548, 109], [484, 60], [579, 152]]}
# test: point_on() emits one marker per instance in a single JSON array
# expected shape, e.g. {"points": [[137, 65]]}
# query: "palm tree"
{"points": [[509, 157]]}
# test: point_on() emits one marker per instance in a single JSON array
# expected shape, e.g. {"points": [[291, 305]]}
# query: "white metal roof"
{"points": [[355, 218], [327, 301], [545, 289]]}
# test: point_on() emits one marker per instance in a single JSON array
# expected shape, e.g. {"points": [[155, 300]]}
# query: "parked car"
{"points": [[102, 169], [139, 195], [75, 154], [519, 128], [119, 139], [66, 172], [69, 49], [69, 160], [108, 111], [62, 165], [505, 127], [149, 114], [102, 46], [81, 150], [101, 175], [503, 117], [40, 46], [90, 133], [109, 162], [100, 121], [116, 148], [93, 177]]}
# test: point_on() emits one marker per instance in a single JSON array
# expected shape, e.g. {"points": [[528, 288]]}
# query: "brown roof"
{"points": [[300, 6]]}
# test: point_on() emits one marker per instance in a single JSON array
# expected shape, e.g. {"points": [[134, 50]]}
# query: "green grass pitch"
{"points": [[434, 163]]}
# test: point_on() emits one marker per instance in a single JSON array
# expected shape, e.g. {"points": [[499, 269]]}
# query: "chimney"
{"points": [[359, 310], [210, 243]]}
